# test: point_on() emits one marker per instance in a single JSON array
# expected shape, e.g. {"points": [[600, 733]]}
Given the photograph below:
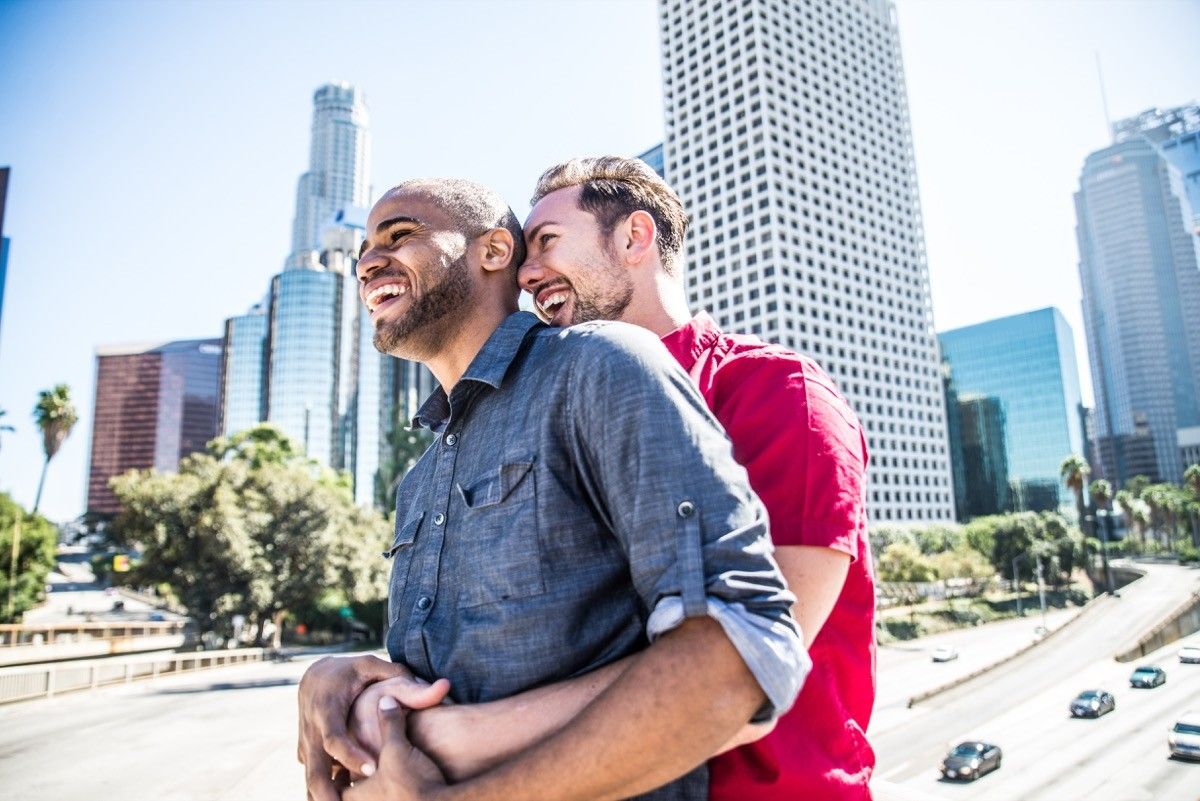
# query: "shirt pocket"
{"points": [[401, 554], [501, 556]]}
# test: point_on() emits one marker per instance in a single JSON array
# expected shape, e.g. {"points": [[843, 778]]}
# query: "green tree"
{"points": [[903, 561], [963, 562], [1137, 484], [252, 527], [55, 415], [23, 579], [405, 447], [1136, 513]]}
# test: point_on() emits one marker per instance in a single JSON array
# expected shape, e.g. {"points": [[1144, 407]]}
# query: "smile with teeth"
{"points": [[549, 305], [377, 296]]}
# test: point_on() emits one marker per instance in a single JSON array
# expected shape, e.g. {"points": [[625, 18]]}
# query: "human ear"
{"points": [[641, 236], [496, 248]]}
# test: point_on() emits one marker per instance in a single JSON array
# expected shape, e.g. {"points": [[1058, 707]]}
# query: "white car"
{"points": [[1190, 653], [1184, 737], [944, 653]]}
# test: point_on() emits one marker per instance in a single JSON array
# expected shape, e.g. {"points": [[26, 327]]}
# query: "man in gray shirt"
{"points": [[579, 504]]}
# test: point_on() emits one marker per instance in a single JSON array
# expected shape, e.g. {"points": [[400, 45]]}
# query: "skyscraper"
{"points": [[339, 168], [985, 456], [1176, 133], [154, 404], [788, 139], [1025, 363], [243, 371], [1140, 273]]}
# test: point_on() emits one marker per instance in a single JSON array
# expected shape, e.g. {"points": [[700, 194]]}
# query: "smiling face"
{"points": [[571, 268], [413, 276]]}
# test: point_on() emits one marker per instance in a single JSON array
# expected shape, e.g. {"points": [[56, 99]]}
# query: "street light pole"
{"points": [[1017, 583], [1041, 590]]}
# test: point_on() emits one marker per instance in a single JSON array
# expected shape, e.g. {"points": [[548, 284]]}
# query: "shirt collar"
{"points": [[687, 342], [488, 367]]}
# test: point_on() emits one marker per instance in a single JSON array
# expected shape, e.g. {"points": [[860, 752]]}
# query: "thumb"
{"points": [[393, 724], [418, 694]]}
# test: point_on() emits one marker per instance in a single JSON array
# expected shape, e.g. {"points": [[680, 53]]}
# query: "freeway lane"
{"points": [[227, 734], [1022, 707]]}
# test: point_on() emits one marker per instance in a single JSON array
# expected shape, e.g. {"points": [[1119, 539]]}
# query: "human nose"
{"points": [[371, 261], [530, 274]]}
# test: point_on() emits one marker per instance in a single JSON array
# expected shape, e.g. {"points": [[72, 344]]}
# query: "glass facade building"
{"points": [[154, 404], [339, 168], [654, 157], [985, 471], [1140, 274], [1024, 366], [244, 372], [302, 358]]}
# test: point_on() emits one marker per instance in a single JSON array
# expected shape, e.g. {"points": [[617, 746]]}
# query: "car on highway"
{"points": [[971, 759], [1092, 704], [944, 653], [1184, 737], [1148, 676], [1190, 654]]}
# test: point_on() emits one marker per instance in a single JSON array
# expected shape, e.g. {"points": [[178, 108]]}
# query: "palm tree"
{"points": [[1191, 480], [55, 415], [1101, 492], [4, 428], [1134, 512], [1074, 472]]}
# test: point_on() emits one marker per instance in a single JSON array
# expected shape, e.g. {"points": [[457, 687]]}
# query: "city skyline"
{"points": [[222, 210]]}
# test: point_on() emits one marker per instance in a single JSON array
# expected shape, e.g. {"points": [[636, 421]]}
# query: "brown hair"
{"points": [[612, 188]]}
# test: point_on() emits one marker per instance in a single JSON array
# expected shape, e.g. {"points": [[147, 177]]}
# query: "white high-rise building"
{"points": [[339, 168], [788, 139]]}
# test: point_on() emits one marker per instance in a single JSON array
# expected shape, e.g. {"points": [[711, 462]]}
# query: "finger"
{"points": [[393, 725], [318, 782], [345, 749], [372, 669], [416, 694]]}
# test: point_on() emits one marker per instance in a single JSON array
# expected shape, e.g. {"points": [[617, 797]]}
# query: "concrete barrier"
{"points": [[1130, 573], [44, 681], [1185, 620]]}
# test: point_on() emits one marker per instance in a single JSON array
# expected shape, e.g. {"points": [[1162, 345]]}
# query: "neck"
{"points": [[455, 355], [660, 306]]}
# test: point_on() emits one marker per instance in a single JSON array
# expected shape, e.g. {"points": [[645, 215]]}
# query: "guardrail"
{"points": [[18, 634], [46, 681]]}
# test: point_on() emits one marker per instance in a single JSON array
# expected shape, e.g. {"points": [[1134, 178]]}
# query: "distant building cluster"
{"points": [[788, 140]]}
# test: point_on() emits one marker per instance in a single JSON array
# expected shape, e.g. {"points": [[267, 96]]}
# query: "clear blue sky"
{"points": [[155, 148]]}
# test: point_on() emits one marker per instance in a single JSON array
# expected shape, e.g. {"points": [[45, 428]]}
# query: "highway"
{"points": [[1022, 707], [229, 734]]}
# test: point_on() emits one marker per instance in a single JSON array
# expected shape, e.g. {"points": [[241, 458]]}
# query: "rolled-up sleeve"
{"points": [[662, 471]]}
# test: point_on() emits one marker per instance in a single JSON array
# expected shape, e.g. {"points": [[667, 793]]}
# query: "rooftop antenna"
{"points": [[1103, 96]]}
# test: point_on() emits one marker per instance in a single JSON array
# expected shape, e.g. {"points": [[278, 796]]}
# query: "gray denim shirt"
{"points": [[579, 500]]}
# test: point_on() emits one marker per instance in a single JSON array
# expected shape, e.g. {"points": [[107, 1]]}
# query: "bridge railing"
{"points": [[18, 634], [44, 681]]}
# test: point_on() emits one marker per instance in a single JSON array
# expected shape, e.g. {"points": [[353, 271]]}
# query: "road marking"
{"points": [[896, 769]]}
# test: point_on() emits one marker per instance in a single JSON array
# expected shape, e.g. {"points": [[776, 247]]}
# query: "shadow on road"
{"points": [[228, 685]]}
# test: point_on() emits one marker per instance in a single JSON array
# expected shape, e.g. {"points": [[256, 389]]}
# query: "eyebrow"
{"points": [[531, 234], [385, 225]]}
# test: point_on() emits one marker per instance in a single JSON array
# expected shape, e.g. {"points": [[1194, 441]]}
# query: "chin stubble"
{"points": [[420, 332]]}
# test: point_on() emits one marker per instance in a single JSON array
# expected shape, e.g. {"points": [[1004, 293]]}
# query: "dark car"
{"points": [[1092, 704], [1148, 676], [970, 760]]}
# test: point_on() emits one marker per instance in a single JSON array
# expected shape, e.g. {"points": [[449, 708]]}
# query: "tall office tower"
{"points": [[985, 457], [1176, 133], [654, 158], [244, 371], [339, 168], [1140, 272], [154, 404], [788, 139], [3, 241], [1026, 362]]}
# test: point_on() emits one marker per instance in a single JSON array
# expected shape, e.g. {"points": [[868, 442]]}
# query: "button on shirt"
{"points": [[579, 501]]}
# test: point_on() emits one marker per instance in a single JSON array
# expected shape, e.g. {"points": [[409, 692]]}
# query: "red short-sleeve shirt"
{"points": [[806, 456]]}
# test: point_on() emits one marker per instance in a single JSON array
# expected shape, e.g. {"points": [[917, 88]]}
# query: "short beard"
{"points": [[609, 307], [431, 320]]}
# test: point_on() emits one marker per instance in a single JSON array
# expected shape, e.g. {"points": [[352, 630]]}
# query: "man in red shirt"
{"points": [[604, 240]]}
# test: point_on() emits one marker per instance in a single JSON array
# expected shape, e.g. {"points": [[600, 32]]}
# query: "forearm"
{"points": [[662, 716], [467, 739]]}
